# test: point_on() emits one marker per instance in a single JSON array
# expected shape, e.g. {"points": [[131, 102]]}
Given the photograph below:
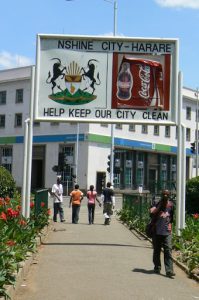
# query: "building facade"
{"points": [[145, 155]]}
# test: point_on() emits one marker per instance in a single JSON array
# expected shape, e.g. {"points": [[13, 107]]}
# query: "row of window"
{"points": [[132, 127], [19, 99], [17, 122], [18, 96], [156, 130]]}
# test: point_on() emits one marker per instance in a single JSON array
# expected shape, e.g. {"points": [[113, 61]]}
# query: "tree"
{"points": [[7, 183], [192, 195]]}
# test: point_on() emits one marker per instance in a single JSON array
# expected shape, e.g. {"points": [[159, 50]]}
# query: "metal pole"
{"points": [[77, 152], [30, 142], [183, 183], [112, 125], [179, 160], [197, 93], [115, 18], [26, 125]]}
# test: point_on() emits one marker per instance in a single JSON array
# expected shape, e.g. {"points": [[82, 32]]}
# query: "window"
{"points": [[188, 134], [118, 126], [156, 130], [18, 120], [132, 127], [2, 97], [128, 178], [188, 113], [2, 121], [167, 131], [68, 150], [69, 171], [19, 95], [104, 124], [6, 158], [36, 124], [144, 128]]}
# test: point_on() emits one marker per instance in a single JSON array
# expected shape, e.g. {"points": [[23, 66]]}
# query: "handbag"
{"points": [[150, 229]]}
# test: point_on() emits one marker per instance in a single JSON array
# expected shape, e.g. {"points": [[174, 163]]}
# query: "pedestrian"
{"points": [[162, 215], [108, 200], [57, 193], [76, 197], [92, 197]]}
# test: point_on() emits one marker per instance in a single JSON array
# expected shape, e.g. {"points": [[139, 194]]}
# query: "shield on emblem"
{"points": [[73, 83]]}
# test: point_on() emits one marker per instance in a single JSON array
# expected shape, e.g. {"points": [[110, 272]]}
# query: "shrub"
{"points": [[18, 237], [7, 184], [192, 195]]}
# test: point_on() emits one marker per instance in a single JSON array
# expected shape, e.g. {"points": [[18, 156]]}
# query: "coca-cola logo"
{"points": [[144, 75]]}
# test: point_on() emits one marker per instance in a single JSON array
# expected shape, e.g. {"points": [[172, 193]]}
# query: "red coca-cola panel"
{"points": [[140, 83]]}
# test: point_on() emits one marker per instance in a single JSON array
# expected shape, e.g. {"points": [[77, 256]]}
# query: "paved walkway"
{"points": [[97, 262]]}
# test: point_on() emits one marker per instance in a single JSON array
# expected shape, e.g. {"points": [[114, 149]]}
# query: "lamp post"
{"points": [[112, 125], [197, 94], [115, 15], [114, 2], [77, 153]]}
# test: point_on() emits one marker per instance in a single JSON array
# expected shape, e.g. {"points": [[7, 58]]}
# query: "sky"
{"points": [[22, 20]]}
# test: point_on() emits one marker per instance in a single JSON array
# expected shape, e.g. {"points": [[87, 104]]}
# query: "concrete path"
{"points": [[97, 262]]}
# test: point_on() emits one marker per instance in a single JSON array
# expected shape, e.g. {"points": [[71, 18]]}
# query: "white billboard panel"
{"points": [[106, 79]]}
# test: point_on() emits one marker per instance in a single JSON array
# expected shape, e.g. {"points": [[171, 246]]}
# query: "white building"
{"points": [[146, 154]]}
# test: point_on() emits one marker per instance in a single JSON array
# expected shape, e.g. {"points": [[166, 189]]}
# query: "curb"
{"points": [[25, 265]]}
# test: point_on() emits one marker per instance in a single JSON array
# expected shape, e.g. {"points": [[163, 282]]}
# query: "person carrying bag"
{"points": [[162, 212]]}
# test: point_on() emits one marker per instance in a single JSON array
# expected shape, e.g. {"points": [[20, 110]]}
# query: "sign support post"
{"points": [[28, 139], [181, 155]]}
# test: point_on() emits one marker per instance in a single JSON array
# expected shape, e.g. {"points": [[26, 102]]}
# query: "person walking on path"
{"points": [[57, 193], [92, 197], [108, 199], [162, 214], [76, 197]]}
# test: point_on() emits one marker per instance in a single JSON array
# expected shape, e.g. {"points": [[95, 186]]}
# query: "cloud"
{"points": [[8, 60], [194, 4]]}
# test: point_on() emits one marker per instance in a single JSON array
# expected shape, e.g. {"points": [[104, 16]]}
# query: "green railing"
{"points": [[41, 199], [137, 202]]}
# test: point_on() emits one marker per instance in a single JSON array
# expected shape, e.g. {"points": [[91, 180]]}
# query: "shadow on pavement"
{"points": [[143, 271], [93, 244]]}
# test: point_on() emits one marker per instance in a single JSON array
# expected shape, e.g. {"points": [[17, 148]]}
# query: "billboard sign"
{"points": [[106, 79]]}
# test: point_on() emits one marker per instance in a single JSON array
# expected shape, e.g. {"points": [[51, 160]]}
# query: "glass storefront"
{"points": [[152, 171]]}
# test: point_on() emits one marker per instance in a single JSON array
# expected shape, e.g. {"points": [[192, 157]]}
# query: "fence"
{"points": [[41, 196], [137, 202]]}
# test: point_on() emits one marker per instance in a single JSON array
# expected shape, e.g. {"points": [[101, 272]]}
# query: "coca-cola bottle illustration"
{"points": [[124, 82]]}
